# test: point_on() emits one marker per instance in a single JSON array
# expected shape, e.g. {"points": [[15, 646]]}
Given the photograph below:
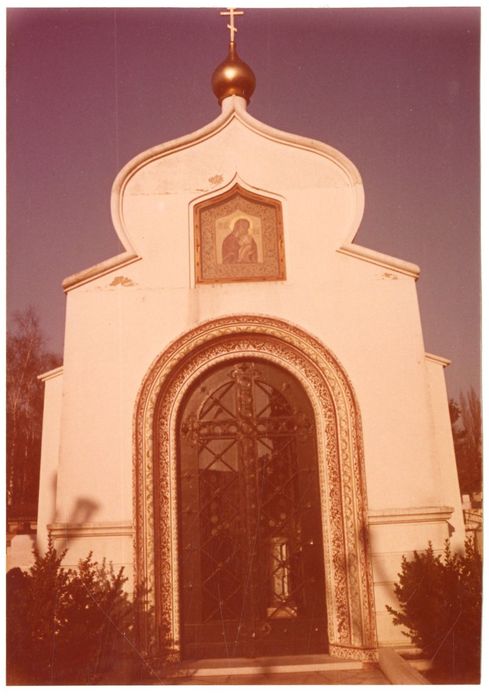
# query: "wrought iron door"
{"points": [[251, 567]]}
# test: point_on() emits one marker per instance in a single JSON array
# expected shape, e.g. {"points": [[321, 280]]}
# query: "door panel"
{"points": [[252, 574]]}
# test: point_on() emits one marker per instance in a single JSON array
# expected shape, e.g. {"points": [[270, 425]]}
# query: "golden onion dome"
{"points": [[233, 77]]}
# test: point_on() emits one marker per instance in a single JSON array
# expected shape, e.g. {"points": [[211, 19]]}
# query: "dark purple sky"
{"points": [[396, 90]]}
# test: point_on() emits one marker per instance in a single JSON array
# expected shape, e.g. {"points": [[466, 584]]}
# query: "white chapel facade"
{"points": [[247, 419]]}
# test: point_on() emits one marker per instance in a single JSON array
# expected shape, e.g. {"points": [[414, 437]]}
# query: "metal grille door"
{"points": [[251, 567]]}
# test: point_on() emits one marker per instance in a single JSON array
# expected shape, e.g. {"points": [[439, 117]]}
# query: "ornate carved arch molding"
{"points": [[349, 588]]}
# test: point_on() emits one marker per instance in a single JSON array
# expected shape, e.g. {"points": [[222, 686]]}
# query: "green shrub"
{"points": [[70, 626], [440, 605]]}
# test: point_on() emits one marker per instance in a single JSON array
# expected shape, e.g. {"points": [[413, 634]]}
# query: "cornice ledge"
{"points": [[98, 270], [122, 528], [437, 359], [386, 261], [51, 374], [398, 516]]}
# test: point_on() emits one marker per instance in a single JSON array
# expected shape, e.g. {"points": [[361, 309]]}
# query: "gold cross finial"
{"points": [[232, 13]]}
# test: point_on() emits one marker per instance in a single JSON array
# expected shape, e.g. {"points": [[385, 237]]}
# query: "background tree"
{"points": [[466, 418], [27, 357]]}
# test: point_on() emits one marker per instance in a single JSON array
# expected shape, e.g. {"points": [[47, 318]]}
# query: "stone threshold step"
{"points": [[268, 665]]}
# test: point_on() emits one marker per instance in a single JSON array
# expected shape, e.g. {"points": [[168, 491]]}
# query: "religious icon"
{"points": [[239, 246], [238, 237]]}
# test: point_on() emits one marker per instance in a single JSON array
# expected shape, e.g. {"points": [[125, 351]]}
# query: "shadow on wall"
{"points": [[20, 546], [82, 512]]}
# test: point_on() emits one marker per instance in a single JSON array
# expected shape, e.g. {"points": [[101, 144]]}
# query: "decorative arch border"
{"points": [[349, 584]]}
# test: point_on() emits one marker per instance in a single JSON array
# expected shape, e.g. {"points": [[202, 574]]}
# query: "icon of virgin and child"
{"points": [[239, 246]]}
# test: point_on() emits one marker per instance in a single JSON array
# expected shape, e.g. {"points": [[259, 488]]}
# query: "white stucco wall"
{"points": [[444, 463], [361, 306], [51, 431]]}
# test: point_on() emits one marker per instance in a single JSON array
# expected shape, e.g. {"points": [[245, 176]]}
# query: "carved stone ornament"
{"points": [[238, 238], [349, 586]]}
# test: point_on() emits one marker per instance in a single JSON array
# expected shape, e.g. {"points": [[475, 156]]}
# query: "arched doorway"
{"points": [[343, 497], [250, 533]]}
